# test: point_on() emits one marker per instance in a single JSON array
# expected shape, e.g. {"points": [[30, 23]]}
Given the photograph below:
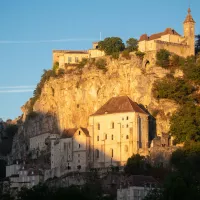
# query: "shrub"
{"points": [[111, 45], [32, 115], [115, 55], [126, 55], [83, 62], [175, 89], [162, 58], [101, 64], [55, 66], [176, 61], [61, 72], [140, 54]]}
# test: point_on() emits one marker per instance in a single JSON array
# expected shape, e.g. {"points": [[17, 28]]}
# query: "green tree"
{"points": [[197, 44], [132, 44], [162, 58], [111, 45], [185, 123]]}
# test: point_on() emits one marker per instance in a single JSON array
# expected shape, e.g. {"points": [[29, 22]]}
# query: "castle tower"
{"points": [[189, 32]]}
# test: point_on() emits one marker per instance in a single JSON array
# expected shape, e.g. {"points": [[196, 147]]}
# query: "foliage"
{"points": [[155, 194], [115, 55], [32, 115], [185, 124], [82, 64], [11, 129], [140, 54], [173, 88], [132, 44], [135, 165], [191, 69], [126, 54], [176, 61], [55, 66], [101, 64], [162, 58], [111, 45], [197, 44]]}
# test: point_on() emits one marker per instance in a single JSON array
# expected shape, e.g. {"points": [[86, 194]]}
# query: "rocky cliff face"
{"points": [[76, 95]]}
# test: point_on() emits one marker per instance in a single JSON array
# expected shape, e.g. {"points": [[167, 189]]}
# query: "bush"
{"points": [[115, 55], [162, 58], [101, 64], [175, 89], [83, 62], [126, 55], [111, 45], [32, 115], [176, 61], [55, 66], [140, 54]]}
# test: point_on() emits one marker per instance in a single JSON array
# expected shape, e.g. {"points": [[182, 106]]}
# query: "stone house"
{"points": [[171, 40], [73, 57], [136, 187]]}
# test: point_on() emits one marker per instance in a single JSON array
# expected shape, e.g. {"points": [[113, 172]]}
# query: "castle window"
{"points": [[105, 136], [112, 137], [127, 137], [76, 59], [97, 138], [79, 146], [97, 153], [98, 126], [126, 148], [112, 125], [127, 118], [79, 132], [126, 125], [69, 59]]}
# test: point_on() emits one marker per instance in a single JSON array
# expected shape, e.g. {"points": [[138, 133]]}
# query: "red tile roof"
{"points": [[158, 35], [119, 105]]}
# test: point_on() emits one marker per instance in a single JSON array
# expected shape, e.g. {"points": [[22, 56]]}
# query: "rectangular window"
{"points": [[76, 59], [69, 59], [127, 118], [98, 126], [97, 138]]}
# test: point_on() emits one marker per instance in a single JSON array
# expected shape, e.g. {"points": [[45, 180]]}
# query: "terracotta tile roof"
{"points": [[119, 105], [158, 35]]}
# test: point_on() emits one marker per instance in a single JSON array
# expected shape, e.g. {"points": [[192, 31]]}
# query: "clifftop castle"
{"points": [[168, 39]]}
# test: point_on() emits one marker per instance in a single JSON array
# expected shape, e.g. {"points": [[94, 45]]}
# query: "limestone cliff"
{"points": [[77, 94]]}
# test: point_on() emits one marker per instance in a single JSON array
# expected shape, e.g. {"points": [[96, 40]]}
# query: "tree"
{"points": [[185, 124], [111, 45], [135, 165], [132, 44], [162, 58], [197, 44]]}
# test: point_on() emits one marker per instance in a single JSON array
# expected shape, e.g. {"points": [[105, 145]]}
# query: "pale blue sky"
{"points": [[29, 26]]}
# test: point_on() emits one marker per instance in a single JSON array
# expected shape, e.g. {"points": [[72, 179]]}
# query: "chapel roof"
{"points": [[119, 105], [68, 133], [189, 17], [158, 35]]}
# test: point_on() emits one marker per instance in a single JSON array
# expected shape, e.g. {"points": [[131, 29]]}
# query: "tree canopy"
{"points": [[132, 44]]}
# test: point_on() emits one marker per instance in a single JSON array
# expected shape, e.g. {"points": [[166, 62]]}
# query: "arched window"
{"points": [[112, 125], [97, 153], [111, 153], [98, 126], [112, 137], [126, 148]]}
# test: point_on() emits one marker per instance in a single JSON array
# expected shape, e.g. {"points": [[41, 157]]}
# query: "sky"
{"points": [[30, 30]]}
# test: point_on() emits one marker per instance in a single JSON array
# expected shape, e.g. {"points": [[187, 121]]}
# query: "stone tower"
{"points": [[189, 32]]}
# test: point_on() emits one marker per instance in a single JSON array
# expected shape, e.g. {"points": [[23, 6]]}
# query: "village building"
{"points": [[171, 40], [136, 187], [67, 58]]}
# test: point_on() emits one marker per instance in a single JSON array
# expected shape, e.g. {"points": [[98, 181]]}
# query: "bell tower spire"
{"points": [[189, 32]]}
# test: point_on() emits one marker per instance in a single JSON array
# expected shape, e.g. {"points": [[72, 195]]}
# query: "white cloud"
{"points": [[16, 91]]}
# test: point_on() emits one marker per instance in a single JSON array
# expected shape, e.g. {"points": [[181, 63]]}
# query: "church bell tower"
{"points": [[189, 32]]}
